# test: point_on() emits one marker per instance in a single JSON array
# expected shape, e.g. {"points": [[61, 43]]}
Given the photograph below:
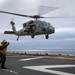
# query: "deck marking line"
{"points": [[44, 68], [27, 59]]}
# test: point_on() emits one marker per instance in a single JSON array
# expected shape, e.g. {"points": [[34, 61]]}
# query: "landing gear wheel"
{"points": [[47, 36], [32, 36], [18, 38]]}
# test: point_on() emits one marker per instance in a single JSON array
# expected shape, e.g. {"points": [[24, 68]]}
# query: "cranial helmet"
{"points": [[4, 42]]}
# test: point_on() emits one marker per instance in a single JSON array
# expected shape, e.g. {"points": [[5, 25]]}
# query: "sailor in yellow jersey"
{"points": [[3, 51]]}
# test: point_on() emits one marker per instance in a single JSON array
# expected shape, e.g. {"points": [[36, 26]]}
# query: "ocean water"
{"points": [[50, 52]]}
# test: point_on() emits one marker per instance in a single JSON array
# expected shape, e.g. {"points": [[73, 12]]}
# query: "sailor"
{"points": [[3, 51]]}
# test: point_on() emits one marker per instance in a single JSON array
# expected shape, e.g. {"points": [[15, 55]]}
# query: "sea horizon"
{"points": [[70, 52]]}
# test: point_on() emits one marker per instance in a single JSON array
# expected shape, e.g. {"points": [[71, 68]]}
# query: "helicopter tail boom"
{"points": [[9, 32]]}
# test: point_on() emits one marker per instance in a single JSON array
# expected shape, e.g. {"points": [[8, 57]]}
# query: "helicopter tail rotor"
{"points": [[12, 24]]}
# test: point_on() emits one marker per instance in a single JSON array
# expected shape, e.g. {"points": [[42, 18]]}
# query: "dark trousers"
{"points": [[2, 59]]}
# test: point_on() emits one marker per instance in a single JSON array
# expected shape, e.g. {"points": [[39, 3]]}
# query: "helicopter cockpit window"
{"points": [[42, 24], [24, 25], [49, 24]]}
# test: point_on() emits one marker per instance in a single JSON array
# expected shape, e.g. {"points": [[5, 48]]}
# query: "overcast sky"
{"points": [[64, 36]]}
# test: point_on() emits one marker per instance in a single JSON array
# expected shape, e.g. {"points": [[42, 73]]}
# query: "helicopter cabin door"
{"points": [[32, 28]]}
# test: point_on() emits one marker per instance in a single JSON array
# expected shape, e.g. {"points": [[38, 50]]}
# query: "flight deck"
{"points": [[39, 65]]}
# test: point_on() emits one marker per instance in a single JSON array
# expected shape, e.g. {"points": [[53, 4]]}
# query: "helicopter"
{"points": [[32, 27]]}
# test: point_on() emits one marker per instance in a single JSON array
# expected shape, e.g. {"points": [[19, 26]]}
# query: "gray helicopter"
{"points": [[32, 28]]}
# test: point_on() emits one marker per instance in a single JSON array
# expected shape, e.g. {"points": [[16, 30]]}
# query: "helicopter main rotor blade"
{"points": [[61, 17], [34, 16], [14, 14], [45, 9]]}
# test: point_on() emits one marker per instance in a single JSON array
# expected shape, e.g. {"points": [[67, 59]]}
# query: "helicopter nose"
{"points": [[53, 30]]}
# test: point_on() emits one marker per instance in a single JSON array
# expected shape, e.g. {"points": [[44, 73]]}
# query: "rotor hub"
{"points": [[36, 16]]}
